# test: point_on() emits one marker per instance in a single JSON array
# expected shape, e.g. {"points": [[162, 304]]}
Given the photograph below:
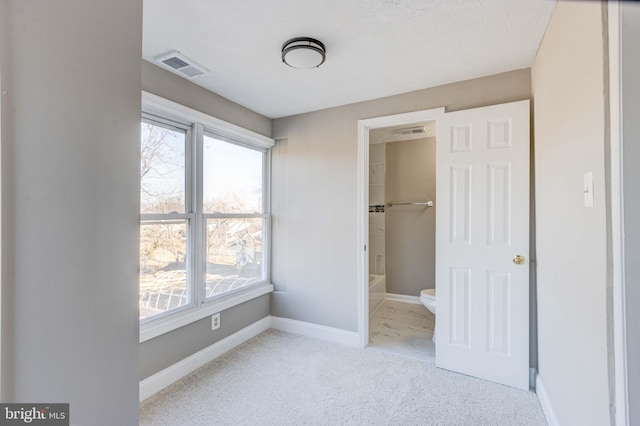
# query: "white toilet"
{"points": [[428, 299]]}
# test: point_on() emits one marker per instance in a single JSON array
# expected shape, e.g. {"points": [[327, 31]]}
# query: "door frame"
{"points": [[364, 126], [621, 354]]}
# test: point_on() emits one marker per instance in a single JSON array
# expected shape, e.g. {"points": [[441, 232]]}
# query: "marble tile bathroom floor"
{"points": [[403, 329]]}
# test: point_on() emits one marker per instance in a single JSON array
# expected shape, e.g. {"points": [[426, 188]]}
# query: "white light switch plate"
{"points": [[588, 189]]}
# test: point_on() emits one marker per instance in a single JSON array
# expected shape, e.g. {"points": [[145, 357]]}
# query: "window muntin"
{"points": [[204, 224]]}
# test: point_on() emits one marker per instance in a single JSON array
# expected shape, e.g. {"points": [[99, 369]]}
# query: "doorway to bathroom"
{"points": [[402, 189], [481, 239]]}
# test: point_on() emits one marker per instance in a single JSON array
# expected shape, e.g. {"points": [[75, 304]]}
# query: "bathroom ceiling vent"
{"points": [[411, 130], [177, 63]]}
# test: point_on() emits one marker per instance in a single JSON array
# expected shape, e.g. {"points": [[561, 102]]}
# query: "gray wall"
{"points": [[169, 86], [315, 189], [568, 89], [70, 189], [6, 134], [167, 349], [163, 351], [631, 181], [410, 230]]}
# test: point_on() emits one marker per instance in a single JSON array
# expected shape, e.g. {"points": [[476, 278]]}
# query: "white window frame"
{"points": [[189, 212], [169, 113]]}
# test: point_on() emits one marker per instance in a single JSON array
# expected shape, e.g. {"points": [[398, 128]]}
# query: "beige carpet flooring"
{"points": [[279, 378]]}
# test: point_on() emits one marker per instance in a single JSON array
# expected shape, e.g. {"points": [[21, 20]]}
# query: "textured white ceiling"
{"points": [[375, 48]]}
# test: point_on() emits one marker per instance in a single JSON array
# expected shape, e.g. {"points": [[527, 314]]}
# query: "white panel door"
{"points": [[482, 216]]}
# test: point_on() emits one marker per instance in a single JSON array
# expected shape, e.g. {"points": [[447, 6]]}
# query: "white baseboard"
{"points": [[155, 383], [545, 403], [403, 298], [175, 372], [337, 335]]}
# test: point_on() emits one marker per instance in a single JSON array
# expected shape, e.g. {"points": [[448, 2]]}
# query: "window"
{"points": [[166, 219], [232, 211], [204, 221]]}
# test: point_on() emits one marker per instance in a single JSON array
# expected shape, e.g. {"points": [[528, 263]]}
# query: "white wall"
{"points": [[568, 91], [315, 248], [70, 171]]}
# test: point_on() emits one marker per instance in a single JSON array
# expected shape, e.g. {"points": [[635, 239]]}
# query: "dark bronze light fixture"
{"points": [[303, 52]]}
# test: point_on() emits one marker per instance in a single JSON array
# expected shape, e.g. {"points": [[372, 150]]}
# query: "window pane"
{"points": [[232, 178], [163, 270], [234, 254], [162, 169]]}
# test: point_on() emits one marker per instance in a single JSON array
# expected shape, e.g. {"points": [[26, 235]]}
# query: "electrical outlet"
{"points": [[215, 321]]}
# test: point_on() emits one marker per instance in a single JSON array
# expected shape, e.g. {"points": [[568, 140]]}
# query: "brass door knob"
{"points": [[518, 260]]}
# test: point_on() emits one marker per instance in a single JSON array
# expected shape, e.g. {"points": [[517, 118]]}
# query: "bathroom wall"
{"points": [[410, 236], [377, 243]]}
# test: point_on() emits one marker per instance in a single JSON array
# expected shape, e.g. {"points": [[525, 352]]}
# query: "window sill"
{"points": [[171, 322]]}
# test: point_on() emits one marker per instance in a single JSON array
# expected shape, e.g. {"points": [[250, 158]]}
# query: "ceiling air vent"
{"points": [[176, 62], [411, 130]]}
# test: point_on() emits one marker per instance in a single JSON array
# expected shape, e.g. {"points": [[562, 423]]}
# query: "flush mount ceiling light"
{"points": [[303, 52]]}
